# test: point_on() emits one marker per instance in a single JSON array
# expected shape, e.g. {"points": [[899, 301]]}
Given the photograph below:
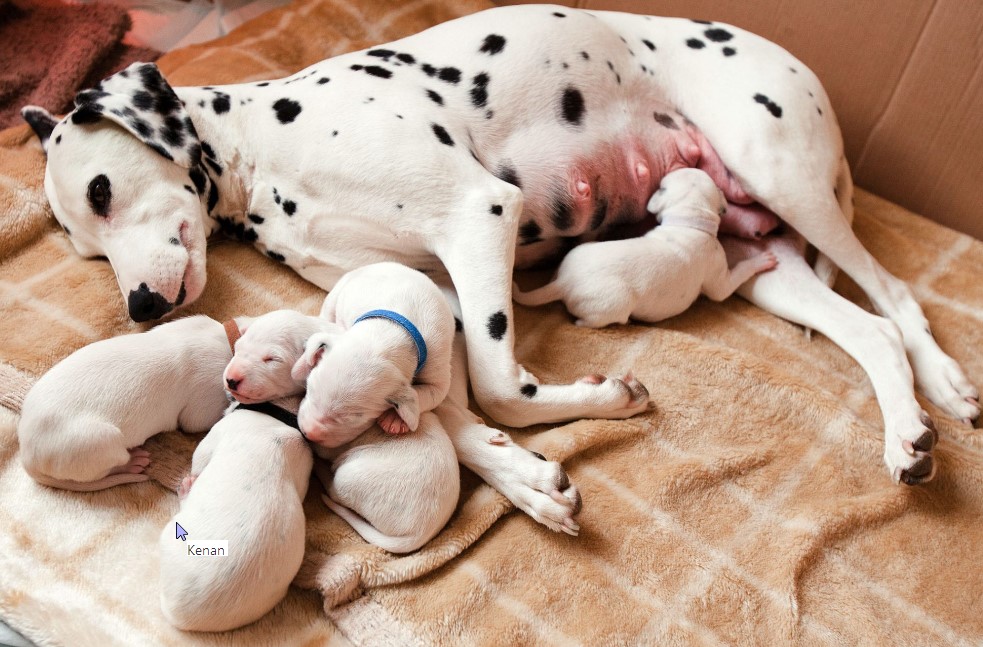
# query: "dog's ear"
{"points": [[41, 121], [657, 202], [243, 324], [315, 348], [407, 405], [141, 101]]}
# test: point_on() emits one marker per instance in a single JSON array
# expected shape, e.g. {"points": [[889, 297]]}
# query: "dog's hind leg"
{"points": [[794, 292], [476, 243], [819, 219]]}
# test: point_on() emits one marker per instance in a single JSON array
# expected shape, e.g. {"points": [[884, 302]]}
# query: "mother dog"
{"points": [[492, 141]]}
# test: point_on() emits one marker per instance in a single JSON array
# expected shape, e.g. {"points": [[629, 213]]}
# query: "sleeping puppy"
{"points": [[396, 491], [248, 480], [656, 276], [83, 422], [392, 362], [267, 348]]}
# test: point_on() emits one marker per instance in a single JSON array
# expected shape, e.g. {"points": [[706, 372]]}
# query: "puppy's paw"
{"points": [[392, 424], [185, 486], [908, 452]]}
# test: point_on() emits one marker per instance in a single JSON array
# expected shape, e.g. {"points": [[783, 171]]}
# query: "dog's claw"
{"points": [[922, 471]]}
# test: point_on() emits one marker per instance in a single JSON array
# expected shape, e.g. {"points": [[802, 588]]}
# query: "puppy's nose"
{"points": [[233, 383], [145, 305]]}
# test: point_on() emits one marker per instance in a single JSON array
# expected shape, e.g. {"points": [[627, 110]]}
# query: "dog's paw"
{"points": [[946, 385], [634, 395], [391, 423], [908, 454], [139, 460]]}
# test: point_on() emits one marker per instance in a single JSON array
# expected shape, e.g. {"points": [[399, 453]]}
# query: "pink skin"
{"points": [[391, 423], [139, 460], [185, 486]]}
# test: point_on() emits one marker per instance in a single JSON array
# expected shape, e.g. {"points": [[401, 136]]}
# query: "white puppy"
{"points": [[265, 352], [83, 422], [248, 480], [392, 363], [660, 274], [396, 491]]}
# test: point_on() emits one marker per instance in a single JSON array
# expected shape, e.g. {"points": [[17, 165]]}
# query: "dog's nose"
{"points": [[232, 383], [145, 305]]}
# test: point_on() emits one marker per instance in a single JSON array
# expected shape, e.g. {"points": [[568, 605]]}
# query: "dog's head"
{"points": [[124, 179], [265, 354], [688, 189], [349, 385]]}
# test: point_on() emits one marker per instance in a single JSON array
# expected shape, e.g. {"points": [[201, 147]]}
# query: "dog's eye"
{"points": [[267, 360], [99, 195]]}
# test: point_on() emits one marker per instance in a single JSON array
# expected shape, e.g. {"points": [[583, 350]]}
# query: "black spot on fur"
{"points": [[695, 43], [429, 69], [559, 15], [718, 35], [280, 258], [173, 131], [772, 107], [256, 219], [198, 179], [729, 51], [665, 120], [562, 215], [276, 196], [573, 106], [529, 390], [479, 90], [538, 455], [702, 22], [220, 104], [451, 75], [263, 84], [507, 173], [793, 70], [458, 326], [141, 127], [143, 100], [286, 110], [88, 114], [212, 196], [406, 58], [496, 209], [58, 139], [585, 56], [498, 323], [442, 134], [381, 53], [493, 44], [190, 189], [163, 152], [323, 80], [215, 166], [375, 70], [289, 207], [529, 233], [649, 44]]}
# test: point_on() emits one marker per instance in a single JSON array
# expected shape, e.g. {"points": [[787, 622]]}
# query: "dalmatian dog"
{"points": [[662, 273], [495, 141]]}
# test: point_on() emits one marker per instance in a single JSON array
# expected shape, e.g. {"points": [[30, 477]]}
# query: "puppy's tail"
{"points": [[539, 296], [369, 533]]}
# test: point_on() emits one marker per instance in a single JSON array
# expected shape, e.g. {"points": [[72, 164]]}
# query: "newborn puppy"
{"points": [[248, 480], [660, 274], [392, 362], [265, 353], [83, 422], [397, 492]]}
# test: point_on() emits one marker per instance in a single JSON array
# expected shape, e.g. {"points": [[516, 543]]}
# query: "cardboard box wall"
{"points": [[905, 78]]}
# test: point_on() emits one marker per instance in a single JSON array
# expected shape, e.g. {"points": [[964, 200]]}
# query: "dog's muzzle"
{"points": [[145, 305]]}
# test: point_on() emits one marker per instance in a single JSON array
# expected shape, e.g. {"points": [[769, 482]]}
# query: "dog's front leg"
{"points": [[477, 246]]}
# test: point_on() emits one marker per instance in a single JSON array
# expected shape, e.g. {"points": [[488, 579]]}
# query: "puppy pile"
{"points": [[372, 368]]}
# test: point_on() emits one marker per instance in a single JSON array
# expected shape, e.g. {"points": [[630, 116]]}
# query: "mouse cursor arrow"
{"points": [[179, 532]]}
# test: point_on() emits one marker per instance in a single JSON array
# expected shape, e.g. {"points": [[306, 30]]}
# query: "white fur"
{"points": [[396, 491], [248, 480], [355, 377], [658, 275], [81, 420], [373, 183], [265, 354]]}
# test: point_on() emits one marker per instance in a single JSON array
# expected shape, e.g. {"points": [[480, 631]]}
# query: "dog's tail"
{"points": [[369, 533], [546, 294]]}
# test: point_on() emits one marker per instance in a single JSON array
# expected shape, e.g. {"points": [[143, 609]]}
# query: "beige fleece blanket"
{"points": [[750, 506]]}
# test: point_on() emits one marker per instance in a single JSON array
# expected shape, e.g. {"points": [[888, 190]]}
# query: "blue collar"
{"points": [[407, 325]]}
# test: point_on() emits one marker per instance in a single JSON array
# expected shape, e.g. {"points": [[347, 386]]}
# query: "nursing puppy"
{"points": [[265, 353], [83, 422], [392, 362], [656, 276], [248, 480]]}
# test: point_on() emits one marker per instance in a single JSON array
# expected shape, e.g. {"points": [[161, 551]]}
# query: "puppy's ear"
{"points": [[658, 201], [41, 121], [243, 324], [406, 403], [314, 350]]}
